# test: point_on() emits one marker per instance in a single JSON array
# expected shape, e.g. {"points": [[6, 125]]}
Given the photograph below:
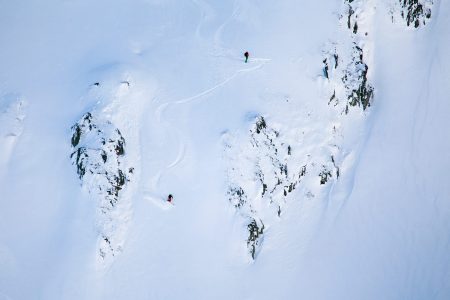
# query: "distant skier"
{"points": [[246, 56], [170, 198]]}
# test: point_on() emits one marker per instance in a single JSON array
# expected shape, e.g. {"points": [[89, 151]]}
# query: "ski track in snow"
{"points": [[158, 202], [169, 128], [204, 13], [218, 33], [160, 111], [179, 158]]}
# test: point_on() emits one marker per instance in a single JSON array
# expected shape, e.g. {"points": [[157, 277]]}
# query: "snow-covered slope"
{"points": [[317, 170]]}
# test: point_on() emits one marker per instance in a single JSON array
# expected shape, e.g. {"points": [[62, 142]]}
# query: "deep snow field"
{"points": [[317, 170]]}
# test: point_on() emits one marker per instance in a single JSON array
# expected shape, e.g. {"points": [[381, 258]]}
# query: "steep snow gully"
{"points": [[317, 170]]}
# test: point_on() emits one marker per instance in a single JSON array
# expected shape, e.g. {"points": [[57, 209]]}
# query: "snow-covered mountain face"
{"points": [[315, 170]]}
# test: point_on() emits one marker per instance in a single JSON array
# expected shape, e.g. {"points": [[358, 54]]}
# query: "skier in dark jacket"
{"points": [[246, 56], [170, 198]]}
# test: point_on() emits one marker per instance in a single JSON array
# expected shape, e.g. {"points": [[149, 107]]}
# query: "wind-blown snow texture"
{"points": [[317, 170]]}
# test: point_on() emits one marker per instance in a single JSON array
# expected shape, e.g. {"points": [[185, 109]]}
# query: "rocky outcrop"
{"points": [[415, 12], [255, 237], [264, 171], [345, 66], [359, 91], [98, 156]]}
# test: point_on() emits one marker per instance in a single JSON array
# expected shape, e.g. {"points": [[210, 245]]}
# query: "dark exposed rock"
{"points": [[325, 68], [333, 97], [350, 14], [255, 237], [359, 91], [260, 124], [415, 12], [80, 161], [336, 167], [355, 28], [237, 196], [76, 135], [324, 175], [119, 147]]}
